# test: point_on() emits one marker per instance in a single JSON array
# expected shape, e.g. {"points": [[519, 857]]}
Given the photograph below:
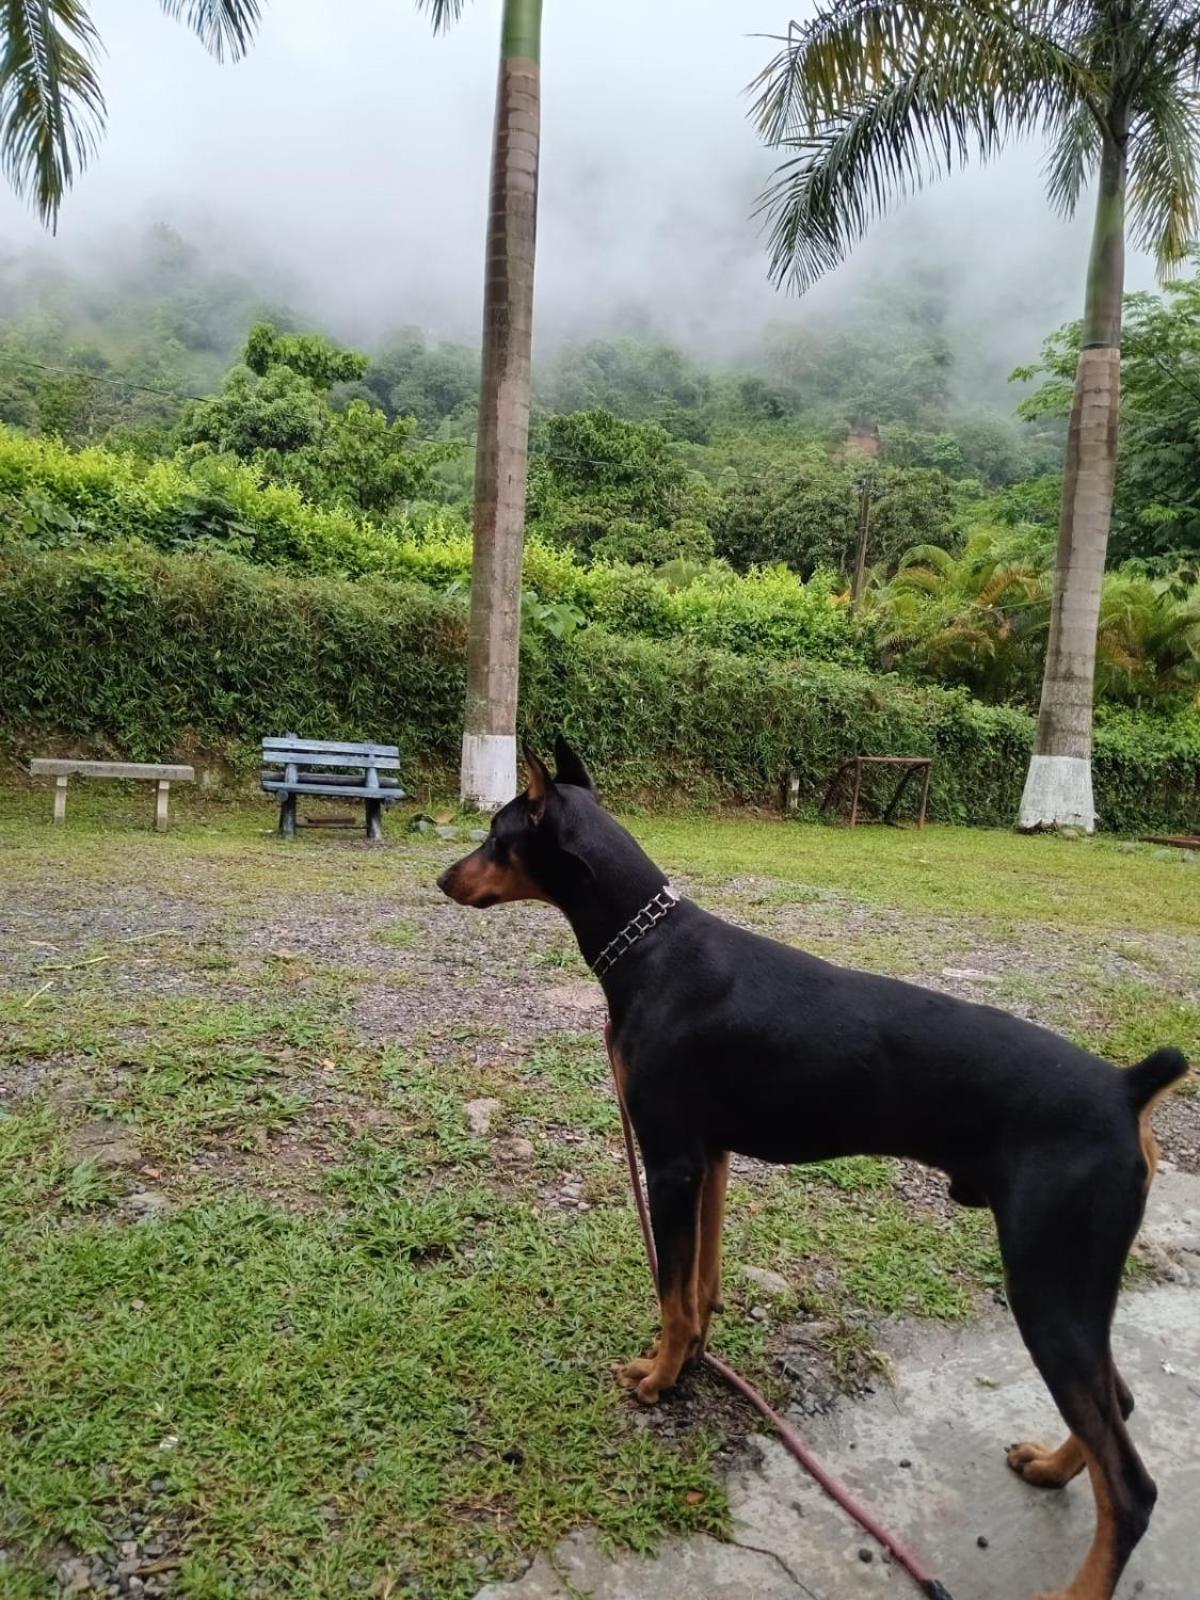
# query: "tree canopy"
{"points": [[275, 411], [1156, 514]]}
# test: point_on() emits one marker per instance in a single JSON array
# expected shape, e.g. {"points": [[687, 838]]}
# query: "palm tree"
{"points": [[51, 116], [489, 746], [976, 618], [874, 100]]}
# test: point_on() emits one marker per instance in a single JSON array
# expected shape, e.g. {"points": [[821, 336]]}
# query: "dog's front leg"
{"points": [[674, 1185]]}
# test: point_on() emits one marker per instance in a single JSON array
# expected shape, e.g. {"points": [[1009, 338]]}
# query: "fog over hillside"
{"points": [[343, 165]]}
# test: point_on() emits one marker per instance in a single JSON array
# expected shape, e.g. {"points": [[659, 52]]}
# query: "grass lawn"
{"points": [[277, 1320]]}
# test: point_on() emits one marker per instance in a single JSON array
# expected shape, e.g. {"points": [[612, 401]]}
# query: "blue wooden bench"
{"points": [[331, 770]]}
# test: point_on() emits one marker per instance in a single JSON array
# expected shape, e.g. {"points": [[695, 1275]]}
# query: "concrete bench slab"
{"points": [[164, 774]]}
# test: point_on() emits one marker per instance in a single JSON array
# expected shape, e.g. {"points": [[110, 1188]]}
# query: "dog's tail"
{"points": [[1157, 1072]]}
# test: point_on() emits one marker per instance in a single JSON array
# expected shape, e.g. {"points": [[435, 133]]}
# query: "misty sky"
{"points": [[351, 149]]}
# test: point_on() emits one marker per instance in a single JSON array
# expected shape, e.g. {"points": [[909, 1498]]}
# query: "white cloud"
{"points": [[351, 147]]}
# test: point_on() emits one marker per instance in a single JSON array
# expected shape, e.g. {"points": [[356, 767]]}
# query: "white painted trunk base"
{"points": [[489, 770], [1058, 794]]}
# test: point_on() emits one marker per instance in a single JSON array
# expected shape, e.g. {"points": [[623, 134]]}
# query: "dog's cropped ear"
{"points": [[570, 769], [540, 784]]}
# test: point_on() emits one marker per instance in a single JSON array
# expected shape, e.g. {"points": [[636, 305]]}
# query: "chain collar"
{"points": [[663, 903]]}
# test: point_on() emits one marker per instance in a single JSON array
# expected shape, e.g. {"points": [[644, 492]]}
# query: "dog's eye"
{"points": [[497, 850]]}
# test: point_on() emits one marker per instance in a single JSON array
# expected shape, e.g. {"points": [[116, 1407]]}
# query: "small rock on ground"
{"points": [[107, 1144], [479, 1116], [766, 1280]]}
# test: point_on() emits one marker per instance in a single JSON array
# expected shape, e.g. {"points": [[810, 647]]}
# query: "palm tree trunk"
{"points": [[489, 748], [1058, 788]]}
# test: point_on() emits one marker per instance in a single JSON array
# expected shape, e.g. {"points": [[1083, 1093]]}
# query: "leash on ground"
{"points": [[788, 1437]]}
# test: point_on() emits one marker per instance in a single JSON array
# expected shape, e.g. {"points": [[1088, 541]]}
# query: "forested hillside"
{"points": [[673, 503]]}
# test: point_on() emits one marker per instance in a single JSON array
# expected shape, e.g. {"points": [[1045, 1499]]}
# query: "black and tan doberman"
{"points": [[727, 1041]]}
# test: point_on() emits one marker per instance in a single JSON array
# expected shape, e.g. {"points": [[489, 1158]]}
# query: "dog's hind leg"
{"points": [[1064, 1250], [1054, 1469], [712, 1220]]}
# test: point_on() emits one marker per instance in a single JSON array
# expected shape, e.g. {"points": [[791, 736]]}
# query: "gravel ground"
{"points": [[509, 978], [376, 942]]}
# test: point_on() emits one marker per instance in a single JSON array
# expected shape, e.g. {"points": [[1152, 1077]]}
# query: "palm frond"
{"points": [[854, 49], [878, 100], [224, 27], [1164, 179], [442, 12], [51, 104], [839, 56], [928, 555], [1072, 159], [848, 173], [1004, 580], [1178, 36]]}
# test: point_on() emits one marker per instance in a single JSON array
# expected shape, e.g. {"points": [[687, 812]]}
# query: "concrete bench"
{"points": [[139, 771], [294, 767]]}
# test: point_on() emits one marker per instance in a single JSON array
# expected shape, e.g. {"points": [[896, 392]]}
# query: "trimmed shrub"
{"points": [[122, 649], [640, 544], [715, 725], [169, 505], [1146, 769], [127, 651]]}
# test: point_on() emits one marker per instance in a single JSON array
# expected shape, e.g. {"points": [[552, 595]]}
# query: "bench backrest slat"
{"points": [[308, 758], [328, 747]]}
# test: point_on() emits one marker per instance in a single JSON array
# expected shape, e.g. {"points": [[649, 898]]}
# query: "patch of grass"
{"points": [[857, 1245], [399, 1367], [562, 958], [1133, 1019], [1069, 883], [333, 1401], [888, 953], [38, 1181]]}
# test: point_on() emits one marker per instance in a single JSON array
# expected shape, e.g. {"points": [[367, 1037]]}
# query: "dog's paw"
{"points": [[640, 1377], [1044, 1469]]}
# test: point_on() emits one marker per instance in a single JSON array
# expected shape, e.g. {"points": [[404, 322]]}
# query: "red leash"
{"points": [[812, 1464]]}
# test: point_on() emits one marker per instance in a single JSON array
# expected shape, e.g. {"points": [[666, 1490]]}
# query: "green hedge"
{"points": [[1146, 769], [122, 649]]}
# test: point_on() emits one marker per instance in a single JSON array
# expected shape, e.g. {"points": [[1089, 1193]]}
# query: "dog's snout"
{"points": [[479, 881]]}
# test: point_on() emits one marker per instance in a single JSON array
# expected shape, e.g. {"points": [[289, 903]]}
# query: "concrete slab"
{"points": [[959, 1399], [682, 1570], [961, 1396]]}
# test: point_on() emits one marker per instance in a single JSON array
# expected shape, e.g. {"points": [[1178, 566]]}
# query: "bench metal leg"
{"points": [[160, 806], [60, 800], [374, 822], [287, 817]]}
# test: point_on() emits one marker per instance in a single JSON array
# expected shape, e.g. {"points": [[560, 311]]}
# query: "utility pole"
{"points": [[866, 493]]}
